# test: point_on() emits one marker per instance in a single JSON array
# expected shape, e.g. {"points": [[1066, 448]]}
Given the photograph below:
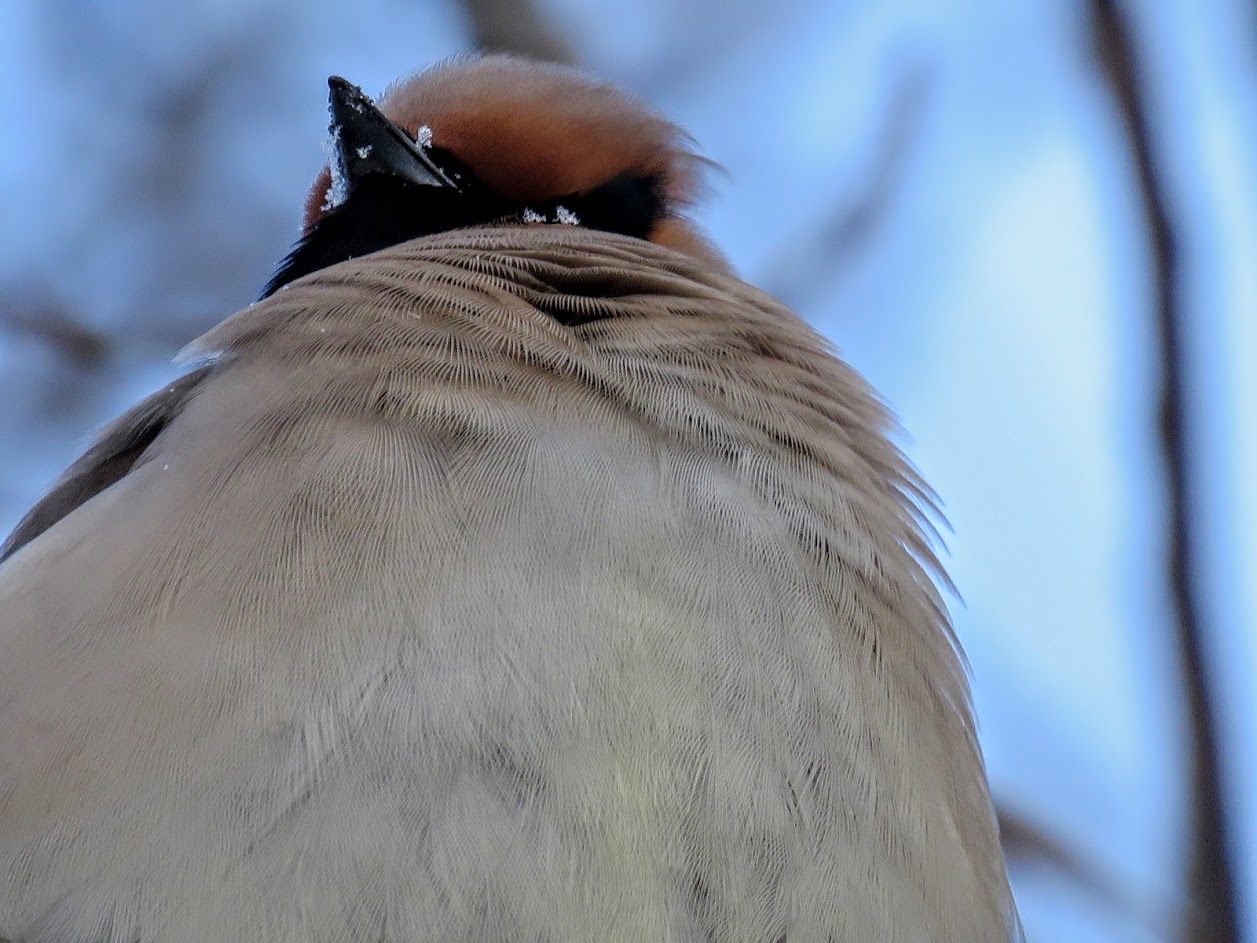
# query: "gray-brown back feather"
{"points": [[427, 617], [117, 450]]}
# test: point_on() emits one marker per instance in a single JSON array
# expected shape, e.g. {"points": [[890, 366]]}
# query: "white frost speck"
{"points": [[423, 137], [364, 152], [338, 191], [566, 216], [165, 468], [532, 216]]}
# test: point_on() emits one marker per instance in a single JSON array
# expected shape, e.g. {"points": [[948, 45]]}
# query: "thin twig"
{"points": [[79, 345], [812, 262], [1212, 914], [1030, 845], [515, 26]]}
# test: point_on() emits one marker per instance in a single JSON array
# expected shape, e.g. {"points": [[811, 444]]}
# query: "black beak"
{"points": [[366, 142]]}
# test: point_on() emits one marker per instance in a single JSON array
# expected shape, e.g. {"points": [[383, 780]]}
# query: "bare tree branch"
{"points": [[1212, 915], [1027, 844], [80, 346], [814, 261], [515, 26]]}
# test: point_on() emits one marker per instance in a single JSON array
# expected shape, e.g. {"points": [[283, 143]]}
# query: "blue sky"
{"points": [[1000, 302]]}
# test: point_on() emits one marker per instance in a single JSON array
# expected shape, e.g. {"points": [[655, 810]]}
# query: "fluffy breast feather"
{"points": [[541, 581]]}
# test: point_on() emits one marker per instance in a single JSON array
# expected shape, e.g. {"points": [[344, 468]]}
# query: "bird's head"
{"points": [[495, 140]]}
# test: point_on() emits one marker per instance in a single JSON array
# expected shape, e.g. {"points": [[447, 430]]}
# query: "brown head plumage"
{"points": [[535, 132]]}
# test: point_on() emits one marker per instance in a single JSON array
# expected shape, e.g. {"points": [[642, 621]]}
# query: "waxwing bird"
{"points": [[511, 571]]}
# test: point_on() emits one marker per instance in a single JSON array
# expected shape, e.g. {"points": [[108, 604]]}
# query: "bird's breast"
{"points": [[433, 614]]}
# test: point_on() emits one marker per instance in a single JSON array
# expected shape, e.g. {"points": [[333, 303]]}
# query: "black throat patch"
{"points": [[384, 211]]}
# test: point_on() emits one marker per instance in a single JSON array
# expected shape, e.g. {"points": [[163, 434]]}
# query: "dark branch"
{"points": [[813, 262], [1029, 845], [515, 26], [79, 345], [1212, 915]]}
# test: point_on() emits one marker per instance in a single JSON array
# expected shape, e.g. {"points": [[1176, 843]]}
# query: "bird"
{"points": [[510, 570]]}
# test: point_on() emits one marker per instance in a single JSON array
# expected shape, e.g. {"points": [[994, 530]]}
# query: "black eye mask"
{"points": [[388, 188]]}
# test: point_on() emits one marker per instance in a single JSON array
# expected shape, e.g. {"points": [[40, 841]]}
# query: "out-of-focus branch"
{"points": [[515, 26], [1027, 844], [1212, 913], [82, 347], [814, 261]]}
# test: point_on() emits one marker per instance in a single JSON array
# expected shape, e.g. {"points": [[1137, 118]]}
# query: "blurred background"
{"points": [[1031, 223]]}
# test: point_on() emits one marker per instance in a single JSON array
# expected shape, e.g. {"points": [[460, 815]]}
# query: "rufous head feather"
{"points": [[534, 132]]}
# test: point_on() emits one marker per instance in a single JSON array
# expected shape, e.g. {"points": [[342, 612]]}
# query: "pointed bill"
{"points": [[365, 142]]}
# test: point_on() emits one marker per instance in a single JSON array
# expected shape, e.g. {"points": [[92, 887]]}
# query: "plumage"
{"points": [[518, 582], [536, 133]]}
